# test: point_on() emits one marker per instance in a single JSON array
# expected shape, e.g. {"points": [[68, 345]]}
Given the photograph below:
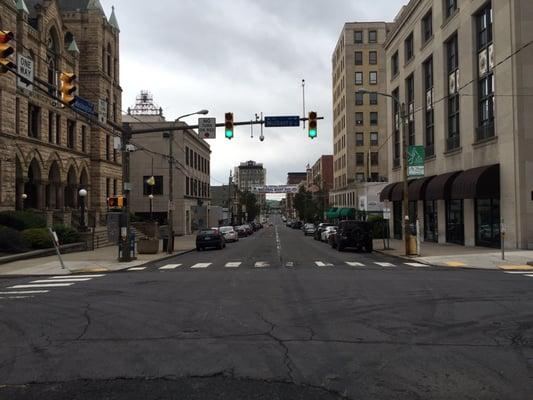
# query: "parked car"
{"points": [[297, 225], [309, 229], [229, 233], [210, 238], [249, 229], [284, 219], [241, 231], [325, 233], [319, 229], [356, 234], [289, 223]]}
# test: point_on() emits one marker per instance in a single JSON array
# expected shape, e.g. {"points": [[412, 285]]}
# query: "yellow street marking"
{"points": [[455, 264], [516, 267]]}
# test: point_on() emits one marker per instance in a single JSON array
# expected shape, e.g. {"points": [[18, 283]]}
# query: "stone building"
{"points": [[249, 175], [47, 151]]}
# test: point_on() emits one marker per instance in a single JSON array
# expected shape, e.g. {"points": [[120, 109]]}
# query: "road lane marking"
{"points": [[75, 276], [516, 272], [289, 264], [417, 265], [170, 266], [15, 297], [61, 280], [322, 264], [25, 292], [278, 244], [355, 264], [201, 265], [529, 275], [261, 264], [137, 269], [384, 264], [233, 265], [41, 285]]}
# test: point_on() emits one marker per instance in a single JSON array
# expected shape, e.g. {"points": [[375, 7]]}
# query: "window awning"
{"points": [[397, 191], [386, 192], [477, 183], [347, 212], [417, 189], [439, 188], [332, 213]]}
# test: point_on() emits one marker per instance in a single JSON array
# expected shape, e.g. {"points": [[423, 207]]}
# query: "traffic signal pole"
{"points": [[125, 231], [170, 242]]}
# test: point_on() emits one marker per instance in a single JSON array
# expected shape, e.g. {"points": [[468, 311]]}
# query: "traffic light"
{"points": [[5, 51], [116, 202], [313, 132], [68, 87], [228, 127]]}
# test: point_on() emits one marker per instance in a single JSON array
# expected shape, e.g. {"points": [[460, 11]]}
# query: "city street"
{"points": [[274, 316]]}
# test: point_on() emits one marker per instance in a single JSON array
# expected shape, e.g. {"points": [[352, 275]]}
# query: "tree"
{"points": [[307, 208], [249, 200]]}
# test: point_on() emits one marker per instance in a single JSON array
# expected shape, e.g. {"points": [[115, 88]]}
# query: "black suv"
{"points": [[357, 234]]}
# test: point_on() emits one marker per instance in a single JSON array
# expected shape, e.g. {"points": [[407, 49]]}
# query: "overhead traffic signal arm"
{"points": [[6, 50], [68, 87]]}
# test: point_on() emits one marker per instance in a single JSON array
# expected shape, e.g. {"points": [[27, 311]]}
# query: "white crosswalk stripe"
{"points": [[15, 297], [62, 280], [355, 264], [384, 264], [261, 264], [201, 265], [137, 269], [41, 285], [170, 266], [517, 272], [76, 276], [529, 275], [323, 264], [418, 265], [233, 264], [24, 292]]}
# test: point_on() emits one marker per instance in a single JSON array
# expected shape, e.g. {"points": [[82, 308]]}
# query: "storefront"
{"points": [[431, 221]]}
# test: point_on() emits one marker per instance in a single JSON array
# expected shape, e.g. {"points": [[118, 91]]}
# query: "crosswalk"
{"points": [[527, 274], [43, 286], [287, 264]]}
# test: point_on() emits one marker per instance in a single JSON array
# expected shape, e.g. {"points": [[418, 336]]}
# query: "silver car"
{"points": [[229, 233], [309, 229]]}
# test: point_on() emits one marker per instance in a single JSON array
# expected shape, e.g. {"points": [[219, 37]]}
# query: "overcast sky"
{"points": [[243, 56]]}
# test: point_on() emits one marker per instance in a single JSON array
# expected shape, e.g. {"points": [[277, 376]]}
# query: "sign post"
{"points": [[416, 156], [55, 241]]}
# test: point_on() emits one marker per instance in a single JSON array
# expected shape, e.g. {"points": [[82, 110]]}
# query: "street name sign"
{"points": [[282, 121], [415, 161], [275, 189], [207, 128], [25, 69]]}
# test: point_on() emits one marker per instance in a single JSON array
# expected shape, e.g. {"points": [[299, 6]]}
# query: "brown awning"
{"points": [[386, 193], [439, 188], [397, 191], [477, 183], [417, 189]]}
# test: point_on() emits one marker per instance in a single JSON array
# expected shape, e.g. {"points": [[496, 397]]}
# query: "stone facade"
{"points": [[47, 151]]}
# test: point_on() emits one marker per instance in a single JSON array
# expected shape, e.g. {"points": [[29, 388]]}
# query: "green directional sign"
{"points": [[415, 160]]}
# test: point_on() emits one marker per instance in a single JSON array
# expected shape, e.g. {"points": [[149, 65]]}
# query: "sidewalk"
{"points": [[100, 260], [451, 255]]}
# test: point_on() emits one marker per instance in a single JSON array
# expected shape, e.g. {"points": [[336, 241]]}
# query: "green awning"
{"points": [[347, 212], [333, 213]]}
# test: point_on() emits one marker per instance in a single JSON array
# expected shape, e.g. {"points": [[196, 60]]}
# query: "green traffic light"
{"points": [[312, 133], [229, 134]]}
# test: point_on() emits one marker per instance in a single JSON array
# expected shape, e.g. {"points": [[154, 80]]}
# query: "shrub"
{"points": [[377, 222], [11, 241], [21, 220], [38, 238], [66, 234]]}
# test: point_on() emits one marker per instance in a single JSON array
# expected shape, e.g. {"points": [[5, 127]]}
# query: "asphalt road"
{"points": [[274, 316]]}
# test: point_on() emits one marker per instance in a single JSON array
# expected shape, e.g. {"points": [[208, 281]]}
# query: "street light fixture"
{"points": [[83, 194], [24, 197], [402, 120], [170, 212]]}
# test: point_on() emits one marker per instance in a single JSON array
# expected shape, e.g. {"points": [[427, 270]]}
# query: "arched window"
{"points": [[52, 57], [109, 59], [69, 37]]}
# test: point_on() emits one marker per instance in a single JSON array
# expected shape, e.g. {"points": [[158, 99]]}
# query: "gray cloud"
{"points": [[244, 56]]}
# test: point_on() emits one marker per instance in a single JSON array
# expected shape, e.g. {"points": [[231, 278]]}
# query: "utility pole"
{"points": [[230, 201], [125, 230], [407, 227], [170, 213]]}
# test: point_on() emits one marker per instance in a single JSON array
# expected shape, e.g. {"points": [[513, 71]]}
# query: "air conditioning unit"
{"points": [[451, 84], [429, 99], [491, 57], [483, 62]]}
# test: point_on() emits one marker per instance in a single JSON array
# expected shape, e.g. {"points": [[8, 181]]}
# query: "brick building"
{"points": [[48, 152]]}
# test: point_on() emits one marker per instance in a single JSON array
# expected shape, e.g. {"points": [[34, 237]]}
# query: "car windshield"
{"points": [[226, 229], [208, 232]]}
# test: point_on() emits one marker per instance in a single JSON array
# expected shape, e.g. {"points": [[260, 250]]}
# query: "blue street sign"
{"points": [[275, 122], [83, 105]]}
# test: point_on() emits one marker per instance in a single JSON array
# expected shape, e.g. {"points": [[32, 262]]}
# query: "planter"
{"points": [[148, 246]]}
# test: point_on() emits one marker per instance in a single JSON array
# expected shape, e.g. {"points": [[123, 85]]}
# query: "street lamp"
{"points": [[151, 197], [24, 197], [83, 194], [170, 212], [402, 119]]}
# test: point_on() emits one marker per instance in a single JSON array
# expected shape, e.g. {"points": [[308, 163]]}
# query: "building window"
{"points": [[410, 100], [187, 156], [58, 129], [396, 125], [373, 77], [157, 189], [360, 159], [358, 78], [115, 187], [373, 98], [360, 177], [450, 7], [359, 139], [374, 139], [51, 118], [409, 48], [358, 58], [71, 134], [488, 222], [84, 138], [359, 118], [187, 191], [373, 118], [109, 60], [485, 74], [427, 26], [429, 121], [108, 148], [358, 36], [395, 64], [17, 116], [359, 99], [373, 57], [374, 158], [455, 229], [431, 231], [374, 177], [372, 36], [34, 119], [453, 139]]}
